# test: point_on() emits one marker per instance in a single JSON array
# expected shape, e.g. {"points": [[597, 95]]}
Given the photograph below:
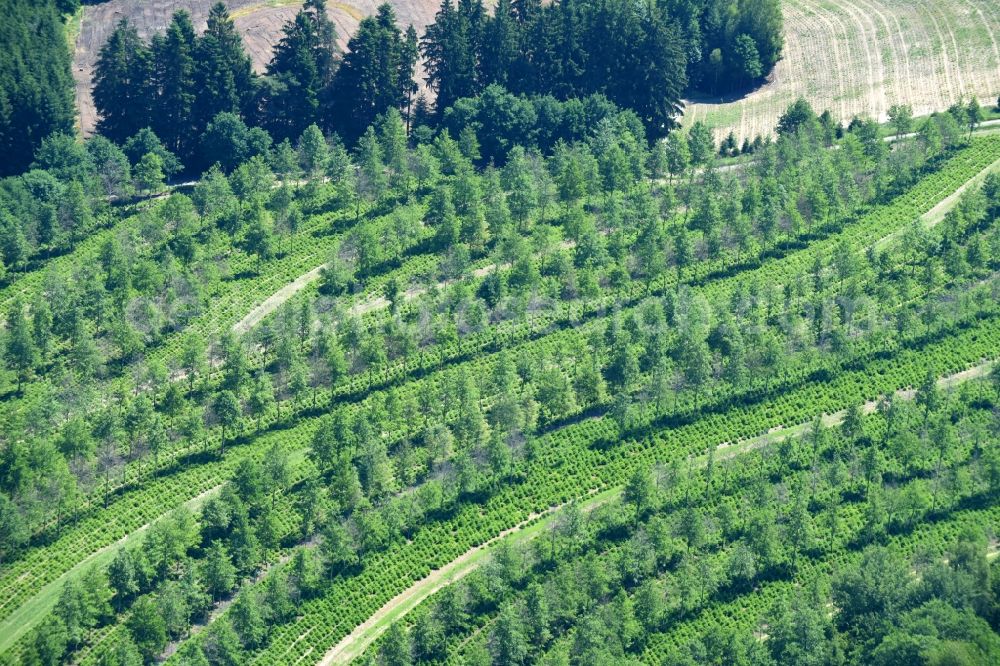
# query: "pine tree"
{"points": [[147, 628], [20, 351], [247, 620], [392, 138], [569, 50], [36, 84], [227, 409], [122, 578], [526, 10], [222, 644], [175, 74], [375, 76], [49, 644], [219, 572], [373, 178], [397, 648], [313, 152], [449, 55], [659, 79], [303, 67], [501, 41], [223, 71], [508, 643], [149, 173], [122, 78], [407, 66]]}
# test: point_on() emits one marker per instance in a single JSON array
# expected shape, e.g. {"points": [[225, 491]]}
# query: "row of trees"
{"points": [[603, 586], [596, 191], [636, 55], [631, 53], [185, 564], [642, 56], [91, 323], [468, 459], [69, 192], [179, 82], [238, 528]]}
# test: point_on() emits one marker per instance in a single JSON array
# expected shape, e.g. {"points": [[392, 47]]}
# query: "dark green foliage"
{"points": [[569, 49], [175, 85], [122, 84], [450, 52], [301, 71], [229, 142], [734, 44], [620, 591], [797, 115], [501, 120], [175, 73], [642, 57], [376, 75], [36, 86], [223, 74], [145, 142], [148, 628]]}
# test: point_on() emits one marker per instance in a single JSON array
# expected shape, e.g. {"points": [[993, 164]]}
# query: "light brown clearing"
{"points": [[859, 57]]}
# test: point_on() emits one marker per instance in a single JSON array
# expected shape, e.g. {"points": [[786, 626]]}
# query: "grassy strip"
{"points": [[194, 481], [573, 462]]}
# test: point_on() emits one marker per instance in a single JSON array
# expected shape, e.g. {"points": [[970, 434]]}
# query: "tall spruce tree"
{"points": [[411, 53], [501, 41], [175, 74], [122, 79], [36, 86], [526, 10], [569, 51], [450, 57], [223, 71], [659, 77], [474, 15], [375, 76], [303, 66]]}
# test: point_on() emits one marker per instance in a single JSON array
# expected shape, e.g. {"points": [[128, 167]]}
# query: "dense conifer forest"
{"points": [[501, 366], [178, 82], [36, 86]]}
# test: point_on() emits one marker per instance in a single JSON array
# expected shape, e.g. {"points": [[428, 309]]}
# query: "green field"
{"points": [[296, 368]]}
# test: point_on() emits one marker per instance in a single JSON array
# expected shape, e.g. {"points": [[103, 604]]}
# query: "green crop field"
{"points": [[301, 366]]}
